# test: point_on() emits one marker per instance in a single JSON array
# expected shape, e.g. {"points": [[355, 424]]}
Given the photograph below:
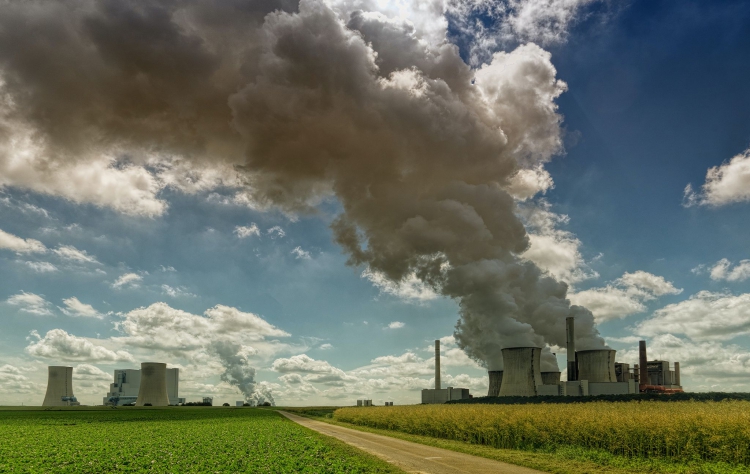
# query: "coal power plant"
{"points": [[60, 387], [590, 372], [439, 394], [127, 384]]}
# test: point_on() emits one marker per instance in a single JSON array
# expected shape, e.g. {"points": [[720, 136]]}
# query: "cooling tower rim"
{"points": [[596, 350], [60, 366], [522, 347], [154, 363]]}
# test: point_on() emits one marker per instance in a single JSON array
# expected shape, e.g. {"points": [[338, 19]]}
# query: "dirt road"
{"points": [[412, 457]]}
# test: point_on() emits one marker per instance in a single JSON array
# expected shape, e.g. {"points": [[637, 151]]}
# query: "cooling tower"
{"points": [[59, 387], [496, 380], [551, 378], [437, 364], [597, 365], [521, 373], [677, 373], [153, 389]]}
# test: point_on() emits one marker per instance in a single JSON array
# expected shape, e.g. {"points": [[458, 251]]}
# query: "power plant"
{"points": [[127, 384], [438, 394], [59, 387], [590, 372]]}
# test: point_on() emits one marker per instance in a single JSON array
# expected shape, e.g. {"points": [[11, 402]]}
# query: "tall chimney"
{"points": [[677, 373], [643, 363], [571, 338], [437, 364]]}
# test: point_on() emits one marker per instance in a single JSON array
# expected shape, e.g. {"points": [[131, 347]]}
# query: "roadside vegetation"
{"points": [[199, 439], [687, 437]]}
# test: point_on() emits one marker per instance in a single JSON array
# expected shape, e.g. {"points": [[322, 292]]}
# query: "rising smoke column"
{"points": [[308, 100], [239, 373]]}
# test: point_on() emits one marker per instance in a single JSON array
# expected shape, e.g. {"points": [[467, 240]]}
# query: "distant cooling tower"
{"points": [[597, 365], [551, 378], [437, 364], [521, 373], [496, 381], [59, 387], [153, 389]]}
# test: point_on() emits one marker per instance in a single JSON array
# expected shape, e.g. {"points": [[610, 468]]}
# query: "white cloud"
{"points": [[410, 289], [59, 345], [724, 270], [31, 303], [68, 252], [624, 296], [325, 347], [395, 325], [301, 254], [527, 183], [303, 364], [19, 245], [247, 231], [554, 250], [73, 307], [161, 327], [90, 372], [276, 232], [725, 184], [167, 269], [41, 267], [538, 21], [177, 292], [128, 279], [704, 316]]}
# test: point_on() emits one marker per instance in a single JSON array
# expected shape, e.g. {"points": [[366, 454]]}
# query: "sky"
{"points": [[291, 201]]}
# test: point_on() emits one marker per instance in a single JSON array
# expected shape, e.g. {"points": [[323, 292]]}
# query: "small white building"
{"points": [[127, 382]]}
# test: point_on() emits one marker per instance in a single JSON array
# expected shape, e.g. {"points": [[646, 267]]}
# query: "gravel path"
{"points": [[412, 457]]}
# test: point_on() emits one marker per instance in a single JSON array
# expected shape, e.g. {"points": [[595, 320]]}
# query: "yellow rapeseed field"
{"points": [[716, 431]]}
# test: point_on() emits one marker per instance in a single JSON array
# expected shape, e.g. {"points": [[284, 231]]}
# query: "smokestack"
{"points": [[59, 387], [643, 363], [437, 364], [677, 373], [521, 373], [153, 389], [570, 335]]}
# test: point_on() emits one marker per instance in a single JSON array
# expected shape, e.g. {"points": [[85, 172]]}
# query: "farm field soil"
{"points": [[709, 437], [174, 439]]}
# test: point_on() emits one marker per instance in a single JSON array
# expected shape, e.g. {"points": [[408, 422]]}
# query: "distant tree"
{"points": [[245, 404], [146, 404], [265, 404], [225, 405]]}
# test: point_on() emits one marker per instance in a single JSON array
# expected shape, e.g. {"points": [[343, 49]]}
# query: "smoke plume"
{"points": [[238, 373], [341, 97]]}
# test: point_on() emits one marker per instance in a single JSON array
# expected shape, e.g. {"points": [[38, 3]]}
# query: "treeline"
{"points": [[675, 397]]}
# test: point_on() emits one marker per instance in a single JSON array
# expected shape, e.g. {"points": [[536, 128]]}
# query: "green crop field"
{"points": [[175, 439], [707, 436]]}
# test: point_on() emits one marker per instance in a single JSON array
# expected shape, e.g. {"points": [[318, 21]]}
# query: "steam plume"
{"points": [[239, 373], [306, 100]]}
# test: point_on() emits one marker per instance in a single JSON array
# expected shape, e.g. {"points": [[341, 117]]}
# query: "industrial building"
{"points": [[364, 403], [590, 372], [438, 394], [59, 387], [127, 383]]}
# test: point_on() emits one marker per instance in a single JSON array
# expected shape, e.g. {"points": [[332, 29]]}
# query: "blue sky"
{"points": [[93, 277]]}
